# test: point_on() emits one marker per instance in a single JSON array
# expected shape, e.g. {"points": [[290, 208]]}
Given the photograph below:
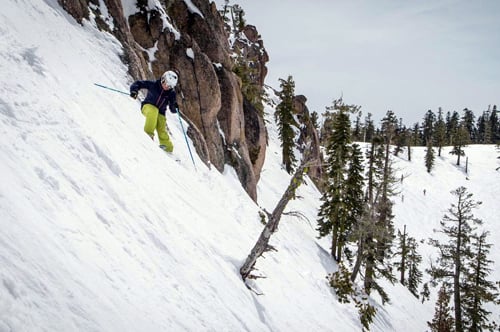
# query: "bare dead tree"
{"points": [[262, 244]]}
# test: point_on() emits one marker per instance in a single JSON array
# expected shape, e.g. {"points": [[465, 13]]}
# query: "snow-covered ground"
{"points": [[102, 231]]}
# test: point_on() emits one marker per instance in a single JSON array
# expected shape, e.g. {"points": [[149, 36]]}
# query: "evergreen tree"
{"points": [[373, 233], [408, 265], [414, 273], [403, 252], [457, 225], [495, 125], [334, 214], [369, 129], [448, 127], [357, 133], [484, 133], [452, 124], [460, 139], [285, 121], [428, 127], [429, 157], [469, 124], [327, 127], [354, 199], [401, 138], [408, 143], [384, 205], [440, 132], [415, 135], [477, 290], [442, 320]]}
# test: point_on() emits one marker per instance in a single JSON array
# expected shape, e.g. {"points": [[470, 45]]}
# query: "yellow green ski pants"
{"points": [[154, 120]]}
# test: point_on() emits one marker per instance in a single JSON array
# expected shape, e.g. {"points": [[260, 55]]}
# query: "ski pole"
{"points": [[107, 87], [185, 137]]}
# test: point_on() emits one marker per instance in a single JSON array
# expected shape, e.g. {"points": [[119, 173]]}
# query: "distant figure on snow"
{"points": [[161, 94]]}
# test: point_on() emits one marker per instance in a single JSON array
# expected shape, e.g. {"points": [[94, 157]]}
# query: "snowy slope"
{"points": [[102, 231]]}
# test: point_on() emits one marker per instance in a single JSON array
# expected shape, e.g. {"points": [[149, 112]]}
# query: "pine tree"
{"points": [[408, 143], [469, 124], [440, 132], [495, 125], [364, 233], [369, 129], [357, 134], [414, 273], [477, 290], [286, 122], [429, 157], [415, 135], [373, 232], [403, 252], [354, 199], [428, 127], [452, 123], [442, 320], [458, 225], [384, 205], [401, 138], [333, 217], [484, 133], [460, 140], [409, 262]]}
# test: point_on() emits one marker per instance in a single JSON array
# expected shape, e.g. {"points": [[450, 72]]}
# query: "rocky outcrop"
{"points": [[190, 37], [252, 47]]}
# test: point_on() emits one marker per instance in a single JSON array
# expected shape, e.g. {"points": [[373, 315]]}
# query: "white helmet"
{"points": [[170, 78]]}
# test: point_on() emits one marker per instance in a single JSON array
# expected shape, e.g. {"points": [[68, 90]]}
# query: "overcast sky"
{"points": [[407, 56]]}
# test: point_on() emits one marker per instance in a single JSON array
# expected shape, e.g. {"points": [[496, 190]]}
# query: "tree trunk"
{"points": [[459, 149], [403, 257], [456, 279], [340, 245], [335, 235], [369, 266], [359, 258], [383, 212], [274, 219]]}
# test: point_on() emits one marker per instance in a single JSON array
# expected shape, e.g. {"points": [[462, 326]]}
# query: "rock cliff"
{"points": [[191, 37], [221, 63]]}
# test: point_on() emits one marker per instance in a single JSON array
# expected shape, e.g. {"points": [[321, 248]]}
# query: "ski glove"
{"points": [[133, 94], [176, 108]]}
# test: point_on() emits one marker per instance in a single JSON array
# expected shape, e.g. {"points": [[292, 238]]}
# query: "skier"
{"points": [[161, 94]]}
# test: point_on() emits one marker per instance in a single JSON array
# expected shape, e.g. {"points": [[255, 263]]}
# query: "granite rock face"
{"points": [[226, 128]]}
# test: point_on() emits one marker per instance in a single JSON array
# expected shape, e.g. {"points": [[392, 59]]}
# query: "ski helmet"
{"points": [[170, 78]]}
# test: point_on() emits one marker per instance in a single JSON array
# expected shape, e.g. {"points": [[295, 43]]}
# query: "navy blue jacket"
{"points": [[156, 95]]}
